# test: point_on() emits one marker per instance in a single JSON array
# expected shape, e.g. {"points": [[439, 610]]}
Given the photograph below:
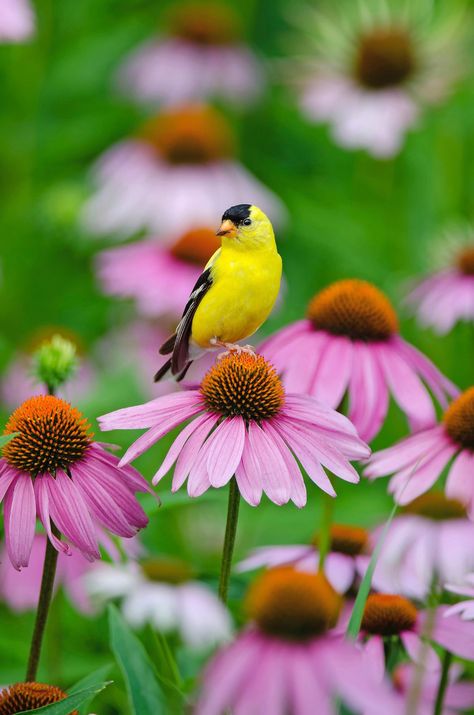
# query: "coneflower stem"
{"points": [[443, 682], [44, 601], [229, 538], [324, 541]]}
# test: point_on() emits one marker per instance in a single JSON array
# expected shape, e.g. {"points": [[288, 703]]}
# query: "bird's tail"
{"points": [[164, 369], [168, 346]]}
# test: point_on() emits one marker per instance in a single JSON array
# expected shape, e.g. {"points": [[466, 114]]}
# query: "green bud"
{"points": [[55, 362]]}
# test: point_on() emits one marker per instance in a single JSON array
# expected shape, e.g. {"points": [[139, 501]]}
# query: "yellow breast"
{"points": [[244, 291]]}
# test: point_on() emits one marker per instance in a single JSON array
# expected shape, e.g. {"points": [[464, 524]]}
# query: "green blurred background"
{"points": [[350, 215]]}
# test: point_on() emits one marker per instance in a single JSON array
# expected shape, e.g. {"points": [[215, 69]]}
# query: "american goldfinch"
{"points": [[233, 296]]}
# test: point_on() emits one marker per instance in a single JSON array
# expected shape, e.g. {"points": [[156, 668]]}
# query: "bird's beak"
{"points": [[227, 228]]}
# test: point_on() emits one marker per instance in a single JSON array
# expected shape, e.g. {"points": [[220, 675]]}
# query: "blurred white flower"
{"points": [[17, 21]]}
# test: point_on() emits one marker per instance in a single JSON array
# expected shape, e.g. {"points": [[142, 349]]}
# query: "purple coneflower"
{"points": [[17, 21], [288, 658], [431, 539], [458, 696], [201, 56], [158, 275], [244, 423], [52, 467], [164, 593], [350, 343], [464, 608], [369, 68], [22, 697], [419, 460], [176, 174], [347, 543], [447, 296]]}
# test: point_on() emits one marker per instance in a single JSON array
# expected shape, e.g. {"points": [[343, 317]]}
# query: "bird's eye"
{"points": [[247, 221]]}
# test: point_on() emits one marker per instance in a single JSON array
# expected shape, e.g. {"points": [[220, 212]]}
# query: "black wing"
{"points": [[178, 344]]}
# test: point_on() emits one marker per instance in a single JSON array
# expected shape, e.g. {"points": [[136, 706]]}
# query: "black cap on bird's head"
{"points": [[234, 217]]}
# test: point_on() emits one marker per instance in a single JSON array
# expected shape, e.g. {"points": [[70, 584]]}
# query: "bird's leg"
{"points": [[231, 348]]}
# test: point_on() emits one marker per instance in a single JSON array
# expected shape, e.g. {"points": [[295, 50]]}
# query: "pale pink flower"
{"points": [[159, 276], [200, 57], [53, 469], [178, 173], [20, 589], [418, 461], [459, 695], [165, 594], [447, 296], [464, 608], [370, 68], [17, 20], [243, 423], [288, 659], [350, 343], [340, 566], [389, 615], [431, 539]]}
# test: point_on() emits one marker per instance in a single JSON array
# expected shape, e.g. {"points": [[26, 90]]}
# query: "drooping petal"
{"points": [[175, 449], [265, 458], [225, 447], [298, 489], [460, 482], [418, 479], [20, 520], [42, 503], [178, 405], [329, 385], [190, 451], [403, 454], [249, 487]]}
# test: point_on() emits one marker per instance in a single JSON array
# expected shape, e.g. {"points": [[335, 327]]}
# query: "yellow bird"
{"points": [[233, 296]]}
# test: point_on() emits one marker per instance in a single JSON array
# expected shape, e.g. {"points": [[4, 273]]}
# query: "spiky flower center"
{"points": [[29, 696], [353, 308], [436, 506], [465, 261], [386, 614], [345, 539], [204, 23], [459, 420], [51, 435], [243, 385], [385, 58], [166, 570], [196, 246], [193, 135], [292, 604]]}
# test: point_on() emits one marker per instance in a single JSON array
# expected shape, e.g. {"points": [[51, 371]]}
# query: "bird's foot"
{"points": [[234, 349]]}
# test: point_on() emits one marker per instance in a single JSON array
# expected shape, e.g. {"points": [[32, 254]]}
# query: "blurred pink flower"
{"points": [[159, 276], [288, 658], [53, 469], [178, 173], [350, 342], [20, 589], [340, 567], [431, 539], [370, 68], [464, 608], [163, 593], [459, 696], [17, 20], [388, 615], [447, 296], [201, 57], [419, 460], [254, 432]]}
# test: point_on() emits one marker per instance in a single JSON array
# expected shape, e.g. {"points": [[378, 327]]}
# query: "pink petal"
{"points": [[333, 371], [225, 447], [419, 479], [20, 520], [71, 515], [184, 404], [42, 502], [374, 657], [454, 634], [298, 489], [190, 451], [250, 489], [417, 651], [178, 444], [460, 482], [263, 454], [367, 392], [403, 454]]}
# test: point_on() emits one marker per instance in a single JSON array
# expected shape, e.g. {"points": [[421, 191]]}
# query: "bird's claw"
{"points": [[234, 349]]}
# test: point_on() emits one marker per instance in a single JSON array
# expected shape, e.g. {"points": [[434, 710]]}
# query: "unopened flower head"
{"points": [[291, 644], [347, 544], [182, 157], [245, 423], [52, 468], [370, 68], [418, 461], [55, 362], [199, 56], [350, 343], [447, 295]]}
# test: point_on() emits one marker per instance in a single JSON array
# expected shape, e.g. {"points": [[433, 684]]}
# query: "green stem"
{"points": [[229, 538], [443, 682], [46, 593], [324, 541]]}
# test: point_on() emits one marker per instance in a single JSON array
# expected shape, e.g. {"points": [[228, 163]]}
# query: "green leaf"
{"points": [[364, 588], [166, 670], [5, 438], [66, 706], [144, 693], [90, 680]]}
